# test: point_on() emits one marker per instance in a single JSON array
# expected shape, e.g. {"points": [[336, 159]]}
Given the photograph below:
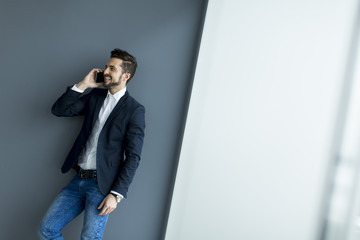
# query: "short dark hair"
{"points": [[129, 64]]}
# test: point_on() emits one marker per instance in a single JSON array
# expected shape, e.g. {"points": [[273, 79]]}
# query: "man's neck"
{"points": [[115, 90]]}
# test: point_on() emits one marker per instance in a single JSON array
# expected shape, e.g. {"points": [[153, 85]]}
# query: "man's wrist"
{"points": [[76, 89], [81, 86], [121, 196], [117, 197]]}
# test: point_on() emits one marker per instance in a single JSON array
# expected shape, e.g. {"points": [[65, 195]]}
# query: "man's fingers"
{"points": [[106, 211], [102, 212], [101, 204], [108, 205]]}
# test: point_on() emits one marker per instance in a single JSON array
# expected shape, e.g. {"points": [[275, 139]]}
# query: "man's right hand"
{"points": [[89, 80]]}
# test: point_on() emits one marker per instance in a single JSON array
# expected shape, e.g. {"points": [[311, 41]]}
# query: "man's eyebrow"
{"points": [[110, 66]]}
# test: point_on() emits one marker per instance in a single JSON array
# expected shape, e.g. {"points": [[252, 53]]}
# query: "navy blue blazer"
{"points": [[120, 141]]}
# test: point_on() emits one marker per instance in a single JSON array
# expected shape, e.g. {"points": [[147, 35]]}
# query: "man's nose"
{"points": [[106, 71]]}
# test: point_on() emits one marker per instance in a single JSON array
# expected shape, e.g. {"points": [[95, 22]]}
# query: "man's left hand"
{"points": [[108, 205]]}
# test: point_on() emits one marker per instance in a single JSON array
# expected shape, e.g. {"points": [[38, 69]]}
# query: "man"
{"points": [[106, 152]]}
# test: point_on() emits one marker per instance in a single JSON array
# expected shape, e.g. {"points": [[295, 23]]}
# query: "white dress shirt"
{"points": [[87, 159]]}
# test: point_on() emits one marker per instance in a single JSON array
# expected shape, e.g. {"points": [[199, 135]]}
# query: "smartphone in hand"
{"points": [[99, 77]]}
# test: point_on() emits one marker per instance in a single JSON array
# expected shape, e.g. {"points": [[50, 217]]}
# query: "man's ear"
{"points": [[126, 77]]}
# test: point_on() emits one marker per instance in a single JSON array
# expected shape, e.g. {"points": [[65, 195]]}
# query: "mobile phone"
{"points": [[99, 77]]}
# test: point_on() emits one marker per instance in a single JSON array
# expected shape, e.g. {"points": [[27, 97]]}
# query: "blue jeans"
{"points": [[79, 195]]}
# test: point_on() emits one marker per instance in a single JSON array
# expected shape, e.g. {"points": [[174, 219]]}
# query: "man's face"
{"points": [[113, 74]]}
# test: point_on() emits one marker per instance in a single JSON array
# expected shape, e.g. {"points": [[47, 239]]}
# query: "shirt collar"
{"points": [[118, 94]]}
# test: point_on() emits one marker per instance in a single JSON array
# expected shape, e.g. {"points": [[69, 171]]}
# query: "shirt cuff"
{"points": [[76, 89], [121, 196]]}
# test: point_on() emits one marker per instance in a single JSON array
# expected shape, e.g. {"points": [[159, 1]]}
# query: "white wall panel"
{"points": [[261, 120]]}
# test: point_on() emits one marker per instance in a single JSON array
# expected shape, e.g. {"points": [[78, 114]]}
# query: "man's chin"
{"points": [[110, 84], [106, 83]]}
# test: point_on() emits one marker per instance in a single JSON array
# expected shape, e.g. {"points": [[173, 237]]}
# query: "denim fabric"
{"points": [[79, 195]]}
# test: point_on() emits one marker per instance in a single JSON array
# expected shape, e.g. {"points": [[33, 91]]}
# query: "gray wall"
{"points": [[48, 45]]}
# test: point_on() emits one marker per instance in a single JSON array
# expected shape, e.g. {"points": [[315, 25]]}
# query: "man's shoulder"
{"points": [[133, 102]]}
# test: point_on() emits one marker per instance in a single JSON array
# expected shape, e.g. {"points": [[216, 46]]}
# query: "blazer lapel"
{"points": [[99, 103], [117, 108]]}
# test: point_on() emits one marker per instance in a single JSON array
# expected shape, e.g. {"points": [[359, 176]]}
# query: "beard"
{"points": [[112, 84]]}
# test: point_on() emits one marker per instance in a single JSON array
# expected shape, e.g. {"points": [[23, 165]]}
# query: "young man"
{"points": [[106, 152]]}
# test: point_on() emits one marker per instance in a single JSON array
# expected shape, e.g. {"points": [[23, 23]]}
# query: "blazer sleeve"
{"points": [[71, 103], [133, 146]]}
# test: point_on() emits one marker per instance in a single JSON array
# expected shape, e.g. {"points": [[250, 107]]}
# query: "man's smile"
{"points": [[107, 78]]}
